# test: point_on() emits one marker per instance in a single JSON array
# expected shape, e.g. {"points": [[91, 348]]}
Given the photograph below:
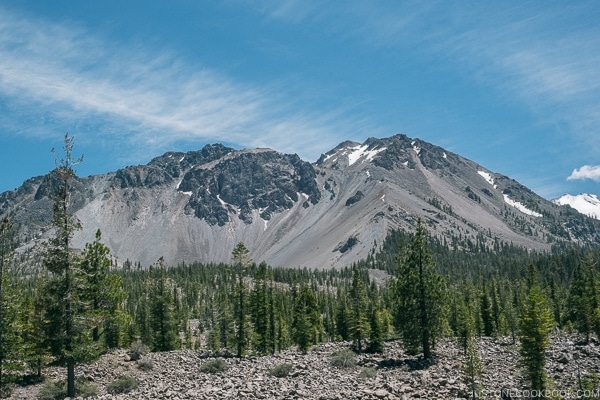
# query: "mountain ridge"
{"points": [[196, 206]]}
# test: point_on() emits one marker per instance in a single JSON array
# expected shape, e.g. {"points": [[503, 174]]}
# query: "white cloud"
{"points": [[152, 96], [586, 172]]}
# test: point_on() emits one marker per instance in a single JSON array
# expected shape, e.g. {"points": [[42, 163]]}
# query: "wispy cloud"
{"points": [[541, 56], [154, 96], [586, 172]]}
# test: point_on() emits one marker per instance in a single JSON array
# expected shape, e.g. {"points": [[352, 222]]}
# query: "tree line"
{"points": [[78, 306]]}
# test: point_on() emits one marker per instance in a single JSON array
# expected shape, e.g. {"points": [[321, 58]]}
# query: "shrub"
{"points": [[123, 384], [281, 370], [214, 366], [145, 364], [343, 359], [6, 391], [367, 373], [58, 390], [137, 350]]}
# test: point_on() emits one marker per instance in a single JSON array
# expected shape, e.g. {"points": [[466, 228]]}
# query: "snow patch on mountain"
{"points": [[361, 151], [488, 177], [521, 207], [416, 148], [587, 204]]}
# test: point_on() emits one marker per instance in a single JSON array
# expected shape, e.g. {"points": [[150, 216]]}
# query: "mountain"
{"points": [[587, 204], [289, 212]]}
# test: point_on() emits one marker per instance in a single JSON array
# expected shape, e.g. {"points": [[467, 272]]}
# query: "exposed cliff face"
{"points": [[262, 180], [198, 205]]}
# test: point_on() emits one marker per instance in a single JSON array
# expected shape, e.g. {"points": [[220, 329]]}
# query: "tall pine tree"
{"points": [[241, 261], [535, 326], [583, 299], [163, 322], [359, 321], [263, 309], [420, 294], [307, 320], [103, 293], [66, 331], [9, 338]]}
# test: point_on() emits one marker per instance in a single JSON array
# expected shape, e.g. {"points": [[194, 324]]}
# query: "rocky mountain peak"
{"points": [[196, 206], [263, 181], [167, 168]]}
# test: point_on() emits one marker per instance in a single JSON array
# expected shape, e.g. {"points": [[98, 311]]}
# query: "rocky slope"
{"points": [[392, 375], [196, 206]]}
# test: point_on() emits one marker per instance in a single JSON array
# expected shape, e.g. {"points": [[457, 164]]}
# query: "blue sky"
{"points": [[512, 85]]}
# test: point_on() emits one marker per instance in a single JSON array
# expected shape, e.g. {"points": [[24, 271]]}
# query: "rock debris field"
{"points": [[177, 375]]}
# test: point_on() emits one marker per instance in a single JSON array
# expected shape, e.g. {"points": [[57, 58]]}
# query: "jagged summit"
{"points": [[289, 212]]}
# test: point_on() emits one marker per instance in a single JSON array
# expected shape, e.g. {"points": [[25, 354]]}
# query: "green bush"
{"points": [[281, 370], [145, 364], [137, 350], [367, 373], [6, 391], [343, 359], [214, 366], [58, 390], [123, 384]]}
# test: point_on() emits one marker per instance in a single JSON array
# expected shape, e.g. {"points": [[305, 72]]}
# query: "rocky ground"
{"points": [[393, 375]]}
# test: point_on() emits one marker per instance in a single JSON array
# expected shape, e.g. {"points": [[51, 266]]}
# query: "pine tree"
{"points": [[466, 322], [162, 313], [535, 326], [9, 338], [359, 322], [262, 309], [419, 293], [32, 322], [473, 369], [487, 318], [104, 294], [241, 261], [341, 317], [583, 296], [65, 330], [376, 333], [307, 320]]}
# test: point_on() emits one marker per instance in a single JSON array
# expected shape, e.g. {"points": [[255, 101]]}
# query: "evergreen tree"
{"points": [[9, 338], [104, 294], [535, 327], [32, 323], [162, 313], [307, 320], [466, 322], [583, 296], [511, 317], [473, 369], [496, 310], [376, 333], [419, 293], [225, 325], [487, 318], [262, 309], [241, 261], [359, 322], [66, 332], [341, 316]]}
